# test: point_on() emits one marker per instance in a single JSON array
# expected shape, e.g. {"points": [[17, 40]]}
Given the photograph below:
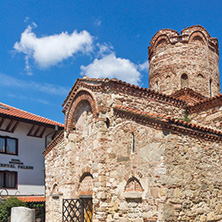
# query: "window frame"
{"points": [[6, 150], [4, 180]]}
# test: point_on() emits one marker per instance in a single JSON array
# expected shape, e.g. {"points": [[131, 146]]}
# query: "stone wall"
{"points": [[211, 117], [133, 171]]}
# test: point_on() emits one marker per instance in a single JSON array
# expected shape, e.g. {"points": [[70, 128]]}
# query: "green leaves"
{"points": [[5, 207]]}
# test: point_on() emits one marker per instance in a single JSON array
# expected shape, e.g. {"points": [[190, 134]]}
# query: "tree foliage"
{"points": [[5, 207]]}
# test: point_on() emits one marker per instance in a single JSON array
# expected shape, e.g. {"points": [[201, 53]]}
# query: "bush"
{"points": [[5, 207]]}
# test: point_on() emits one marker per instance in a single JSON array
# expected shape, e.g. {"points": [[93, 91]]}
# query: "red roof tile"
{"points": [[149, 92], [188, 95], [32, 198], [15, 112], [206, 104], [170, 120]]}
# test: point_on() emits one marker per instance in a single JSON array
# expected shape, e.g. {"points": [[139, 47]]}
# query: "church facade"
{"points": [[135, 154]]}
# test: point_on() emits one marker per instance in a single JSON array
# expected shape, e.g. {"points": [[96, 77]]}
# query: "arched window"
{"points": [[157, 86], [184, 80], [107, 122], [210, 87], [133, 143]]}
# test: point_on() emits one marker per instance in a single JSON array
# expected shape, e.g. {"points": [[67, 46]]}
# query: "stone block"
{"points": [[133, 195], [22, 214]]}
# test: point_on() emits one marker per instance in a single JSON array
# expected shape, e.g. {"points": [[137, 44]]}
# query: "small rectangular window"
{"points": [[8, 179], [11, 146], [1, 178], [8, 145], [2, 144]]}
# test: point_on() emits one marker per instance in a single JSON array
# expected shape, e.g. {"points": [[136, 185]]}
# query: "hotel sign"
{"points": [[15, 163]]}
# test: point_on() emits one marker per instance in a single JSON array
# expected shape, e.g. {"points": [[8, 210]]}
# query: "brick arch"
{"points": [[133, 184], [166, 32], [161, 40], [194, 28], [198, 36], [55, 188], [81, 96]]}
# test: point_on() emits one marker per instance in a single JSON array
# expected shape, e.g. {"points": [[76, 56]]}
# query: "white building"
{"points": [[23, 137]]}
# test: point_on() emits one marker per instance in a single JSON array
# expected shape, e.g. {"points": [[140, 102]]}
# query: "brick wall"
{"points": [[186, 60]]}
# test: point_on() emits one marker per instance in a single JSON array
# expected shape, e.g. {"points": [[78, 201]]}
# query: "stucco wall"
{"points": [[30, 181]]}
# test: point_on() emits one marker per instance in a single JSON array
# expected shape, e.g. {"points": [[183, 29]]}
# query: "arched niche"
{"points": [[133, 184], [84, 104], [55, 189], [86, 184], [161, 41], [83, 110], [198, 37]]}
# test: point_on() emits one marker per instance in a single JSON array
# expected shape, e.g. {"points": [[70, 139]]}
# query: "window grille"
{"points": [[77, 210]]}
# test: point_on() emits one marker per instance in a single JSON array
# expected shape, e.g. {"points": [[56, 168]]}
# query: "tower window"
{"points": [[210, 87], [107, 122], [157, 86], [133, 143], [184, 80]]}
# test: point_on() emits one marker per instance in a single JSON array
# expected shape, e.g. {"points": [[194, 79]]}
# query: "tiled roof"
{"points": [[11, 111], [194, 128], [206, 104], [188, 95], [31, 198], [119, 85]]}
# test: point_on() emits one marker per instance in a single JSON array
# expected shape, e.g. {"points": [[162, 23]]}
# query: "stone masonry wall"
{"points": [[134, 172], [211, 117]]}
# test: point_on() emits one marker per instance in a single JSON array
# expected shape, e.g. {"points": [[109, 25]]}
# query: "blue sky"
{"points": [[46, 45]]}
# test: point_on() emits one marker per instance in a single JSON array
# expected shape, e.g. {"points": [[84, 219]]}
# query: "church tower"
{"points": [[187, 60]]}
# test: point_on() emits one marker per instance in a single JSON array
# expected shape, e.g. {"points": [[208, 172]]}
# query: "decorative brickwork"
{"points": [[73, 112], [133, 184], [186, 60]]}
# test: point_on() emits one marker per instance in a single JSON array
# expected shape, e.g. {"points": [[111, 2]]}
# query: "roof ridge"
{"points": [[115, 80], [6, 105], [208, 99]]}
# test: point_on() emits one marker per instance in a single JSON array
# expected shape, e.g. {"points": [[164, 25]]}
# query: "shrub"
{"points": [[5, 207]]}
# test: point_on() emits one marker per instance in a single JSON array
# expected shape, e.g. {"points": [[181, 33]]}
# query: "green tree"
{"points": [[5, 207]]}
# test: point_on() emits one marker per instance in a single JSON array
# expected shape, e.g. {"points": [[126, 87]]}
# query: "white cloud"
{"points": [[104, 49], [98, 22], [39, 87], [110, 66], [144, 66], [26, 19], [50, 50]]}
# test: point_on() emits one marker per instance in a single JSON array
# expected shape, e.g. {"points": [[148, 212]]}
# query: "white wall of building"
{"points": [[30, 181]]}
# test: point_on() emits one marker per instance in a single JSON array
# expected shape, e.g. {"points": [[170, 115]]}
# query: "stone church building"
{"points": [[135, 154]]}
